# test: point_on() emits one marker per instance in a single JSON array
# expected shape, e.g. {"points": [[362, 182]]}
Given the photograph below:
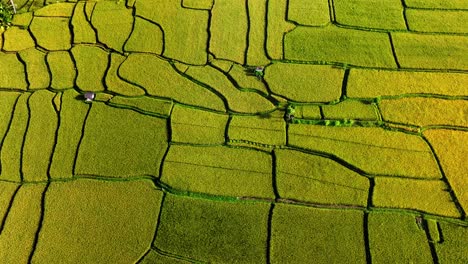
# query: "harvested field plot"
{"points": [[218, 170], [233, 131]]}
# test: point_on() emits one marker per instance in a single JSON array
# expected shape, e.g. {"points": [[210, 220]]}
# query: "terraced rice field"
{"points": [[185, 156]]}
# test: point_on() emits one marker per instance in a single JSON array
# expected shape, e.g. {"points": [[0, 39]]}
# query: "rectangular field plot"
{"points": [[256, 53], [190, 125], [437, 21], [397, 237], [442, 4], [431, 51], [425, 111], [121, 143], [364, 83], [315, 179], [213, 231], [316, 235], [310, 13], [453, 248], [228, 28], [350, 109], [334, 44], [386, 14], [270, 131], [219, 170], [97, 221], [40, 136], [420, 195], [305, 82]]}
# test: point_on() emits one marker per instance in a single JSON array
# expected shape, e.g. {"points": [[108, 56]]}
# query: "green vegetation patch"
{"points": [[228, 28], [62, 69], [51, 33], [72, 116], [256, 53], [21, 224], [121, 143], [12, 72], [310, 13], [16, 39], [375, 150], [113, 22], [443, 4], [246, 79], [116, 222], [145, 37], [316, 179], [36, 68], [82, 30], [305, 233], [450, 148], [350, 109], [196, 126], [144, 104], [270, 131], [276, 27], [56, 10], [40, 136], [215, 232], [453, 248], [6, 15], [91, 63], [305, 83], [366, 83], [334, 44], [238, 101], [116, 84], [219, 170], [185, 30], [437, 21], [421, 195], [158, 78], [370, 14], [10, 154], [425, 111], [397, 237], [431, 51]]}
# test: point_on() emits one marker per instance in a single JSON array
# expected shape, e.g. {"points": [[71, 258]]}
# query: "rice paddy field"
{"points": [[234, 131]]}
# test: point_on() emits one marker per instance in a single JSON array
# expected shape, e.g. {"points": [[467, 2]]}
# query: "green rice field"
{"points": [[233, 131]]}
